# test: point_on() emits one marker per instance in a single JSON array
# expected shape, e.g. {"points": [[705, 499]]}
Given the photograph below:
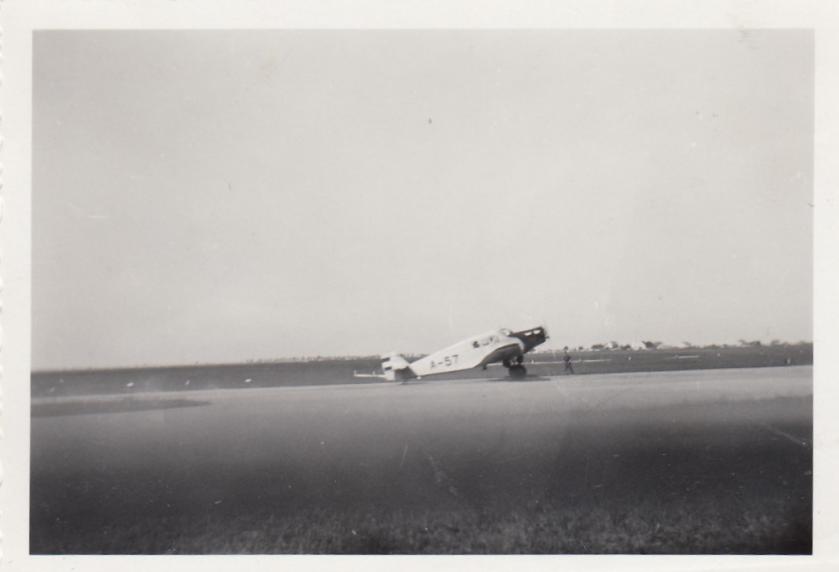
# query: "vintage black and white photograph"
{"points": [[452, 291]]}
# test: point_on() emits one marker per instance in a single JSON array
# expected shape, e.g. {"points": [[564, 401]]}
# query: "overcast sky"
{"points": [[219, 196]]}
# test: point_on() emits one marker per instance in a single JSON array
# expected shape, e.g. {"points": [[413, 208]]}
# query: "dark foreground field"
{"points": [[716, 461]]}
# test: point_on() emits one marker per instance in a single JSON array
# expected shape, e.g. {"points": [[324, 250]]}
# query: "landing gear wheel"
{"points": [[518, 371]]}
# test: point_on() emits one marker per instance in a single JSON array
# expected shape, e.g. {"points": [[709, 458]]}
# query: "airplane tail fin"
{"points": [[396, 367]]}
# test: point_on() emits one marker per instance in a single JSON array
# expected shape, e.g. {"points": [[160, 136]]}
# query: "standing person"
{"points": [[567, 359]]}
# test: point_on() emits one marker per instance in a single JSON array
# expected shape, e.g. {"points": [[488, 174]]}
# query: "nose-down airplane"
{"points": [[498, 346]]}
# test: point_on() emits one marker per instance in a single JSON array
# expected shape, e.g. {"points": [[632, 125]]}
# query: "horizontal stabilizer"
{"points": [[376, 375]]}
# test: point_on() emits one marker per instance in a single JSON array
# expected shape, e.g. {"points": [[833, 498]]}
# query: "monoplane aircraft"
{"points": [[497, 346]]}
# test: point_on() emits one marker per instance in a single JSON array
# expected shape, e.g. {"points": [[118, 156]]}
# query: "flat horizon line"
{"points": [[316, 358]]}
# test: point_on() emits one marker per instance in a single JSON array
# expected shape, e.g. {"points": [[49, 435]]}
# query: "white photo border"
{"points": [[20, 19]]}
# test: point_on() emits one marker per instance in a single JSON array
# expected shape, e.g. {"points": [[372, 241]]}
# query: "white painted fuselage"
{"points": [[496, 346]]}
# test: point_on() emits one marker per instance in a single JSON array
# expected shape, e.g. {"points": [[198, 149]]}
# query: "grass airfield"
{"points": [[705, 461]]}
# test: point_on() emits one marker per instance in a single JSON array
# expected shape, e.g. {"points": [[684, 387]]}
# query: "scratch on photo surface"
{"points": [[784, 434], [440, 476], [404, 452]]}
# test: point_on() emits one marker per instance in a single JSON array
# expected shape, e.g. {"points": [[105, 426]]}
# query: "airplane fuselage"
{"points": [[496, 346]]}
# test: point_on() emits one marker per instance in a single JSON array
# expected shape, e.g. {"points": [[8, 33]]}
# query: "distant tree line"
{"points": [[656, 345]]}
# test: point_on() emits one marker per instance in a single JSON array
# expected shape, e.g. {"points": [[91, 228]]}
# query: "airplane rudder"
{"points": [[391, 364]]}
